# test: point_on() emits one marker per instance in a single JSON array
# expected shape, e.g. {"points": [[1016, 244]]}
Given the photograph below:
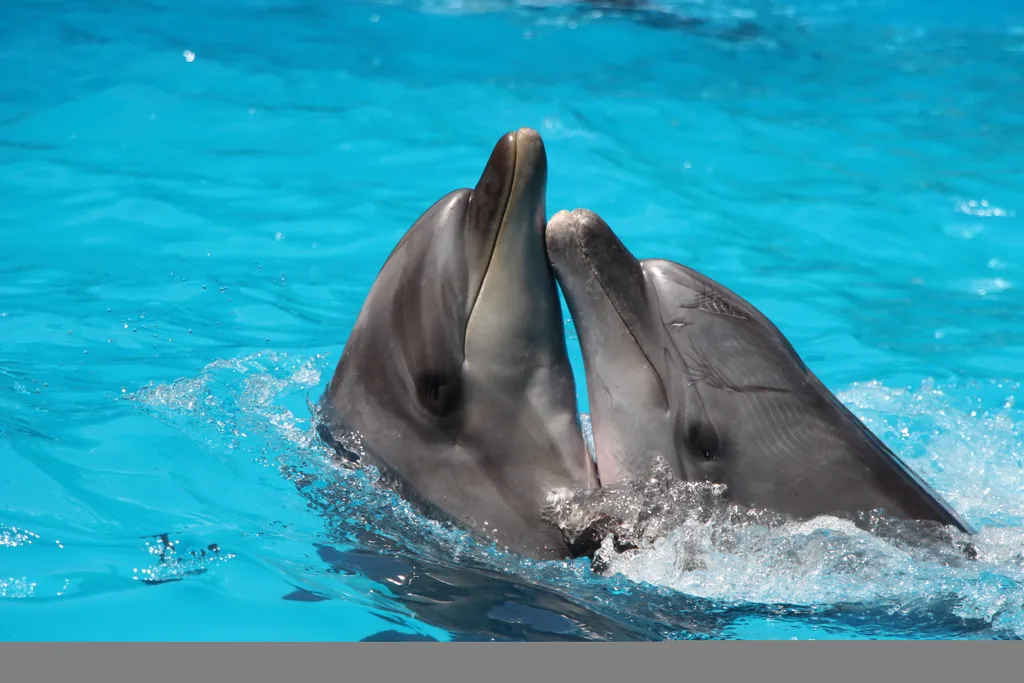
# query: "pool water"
{"points": [[196, 197]]}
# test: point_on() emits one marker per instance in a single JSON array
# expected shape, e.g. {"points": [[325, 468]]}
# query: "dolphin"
{"points": [[679, 367], [455, 379]]}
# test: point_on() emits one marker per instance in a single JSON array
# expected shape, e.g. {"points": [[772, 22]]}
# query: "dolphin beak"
{"points": [[591, 262], [515, 335], [600, 277], [508, 211], [510, 192], [527, 197], [519, 165]]}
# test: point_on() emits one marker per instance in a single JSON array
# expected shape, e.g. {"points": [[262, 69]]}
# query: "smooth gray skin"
{"points": [[678, 365], [456, 375]]}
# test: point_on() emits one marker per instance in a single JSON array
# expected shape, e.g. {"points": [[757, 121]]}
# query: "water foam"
{"points": [[686, 541], [969, 448]]}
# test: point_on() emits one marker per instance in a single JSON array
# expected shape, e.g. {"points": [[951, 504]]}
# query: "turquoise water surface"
{"points": [[196, 196]]}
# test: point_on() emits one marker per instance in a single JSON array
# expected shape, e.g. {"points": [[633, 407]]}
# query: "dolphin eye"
{"points": [[440, 393], [704, 440]]}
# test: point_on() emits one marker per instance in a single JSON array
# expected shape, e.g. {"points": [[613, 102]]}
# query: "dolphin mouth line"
{"points": [[501, 226], [618, 312]]}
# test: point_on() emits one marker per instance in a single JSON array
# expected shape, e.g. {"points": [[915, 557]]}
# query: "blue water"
{"points": [[196, 196]]}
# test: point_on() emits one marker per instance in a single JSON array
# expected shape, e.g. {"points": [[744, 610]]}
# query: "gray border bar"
{"points": [[734, 662]]}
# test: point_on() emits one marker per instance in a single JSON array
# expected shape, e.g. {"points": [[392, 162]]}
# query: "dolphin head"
{"points": [[612, 309], [664, 359], [680, 366], [456, 373]]}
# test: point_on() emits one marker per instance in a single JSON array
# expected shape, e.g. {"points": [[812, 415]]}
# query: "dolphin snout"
{"points": [[526, 133], [570, 236], [562, 234]]}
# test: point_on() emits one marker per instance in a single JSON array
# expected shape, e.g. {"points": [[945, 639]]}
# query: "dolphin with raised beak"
{"points": [[456, 375], [679, 367]]}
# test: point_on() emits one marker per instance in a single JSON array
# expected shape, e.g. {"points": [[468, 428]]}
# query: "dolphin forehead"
{"points": [[419, 306]]}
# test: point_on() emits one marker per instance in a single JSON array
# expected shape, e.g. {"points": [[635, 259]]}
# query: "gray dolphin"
{"points": [[456, 375], [680, 367]]}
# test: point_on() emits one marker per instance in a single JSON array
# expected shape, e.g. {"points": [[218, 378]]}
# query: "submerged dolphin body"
{"points": [[678, 366], [456, 375]]}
